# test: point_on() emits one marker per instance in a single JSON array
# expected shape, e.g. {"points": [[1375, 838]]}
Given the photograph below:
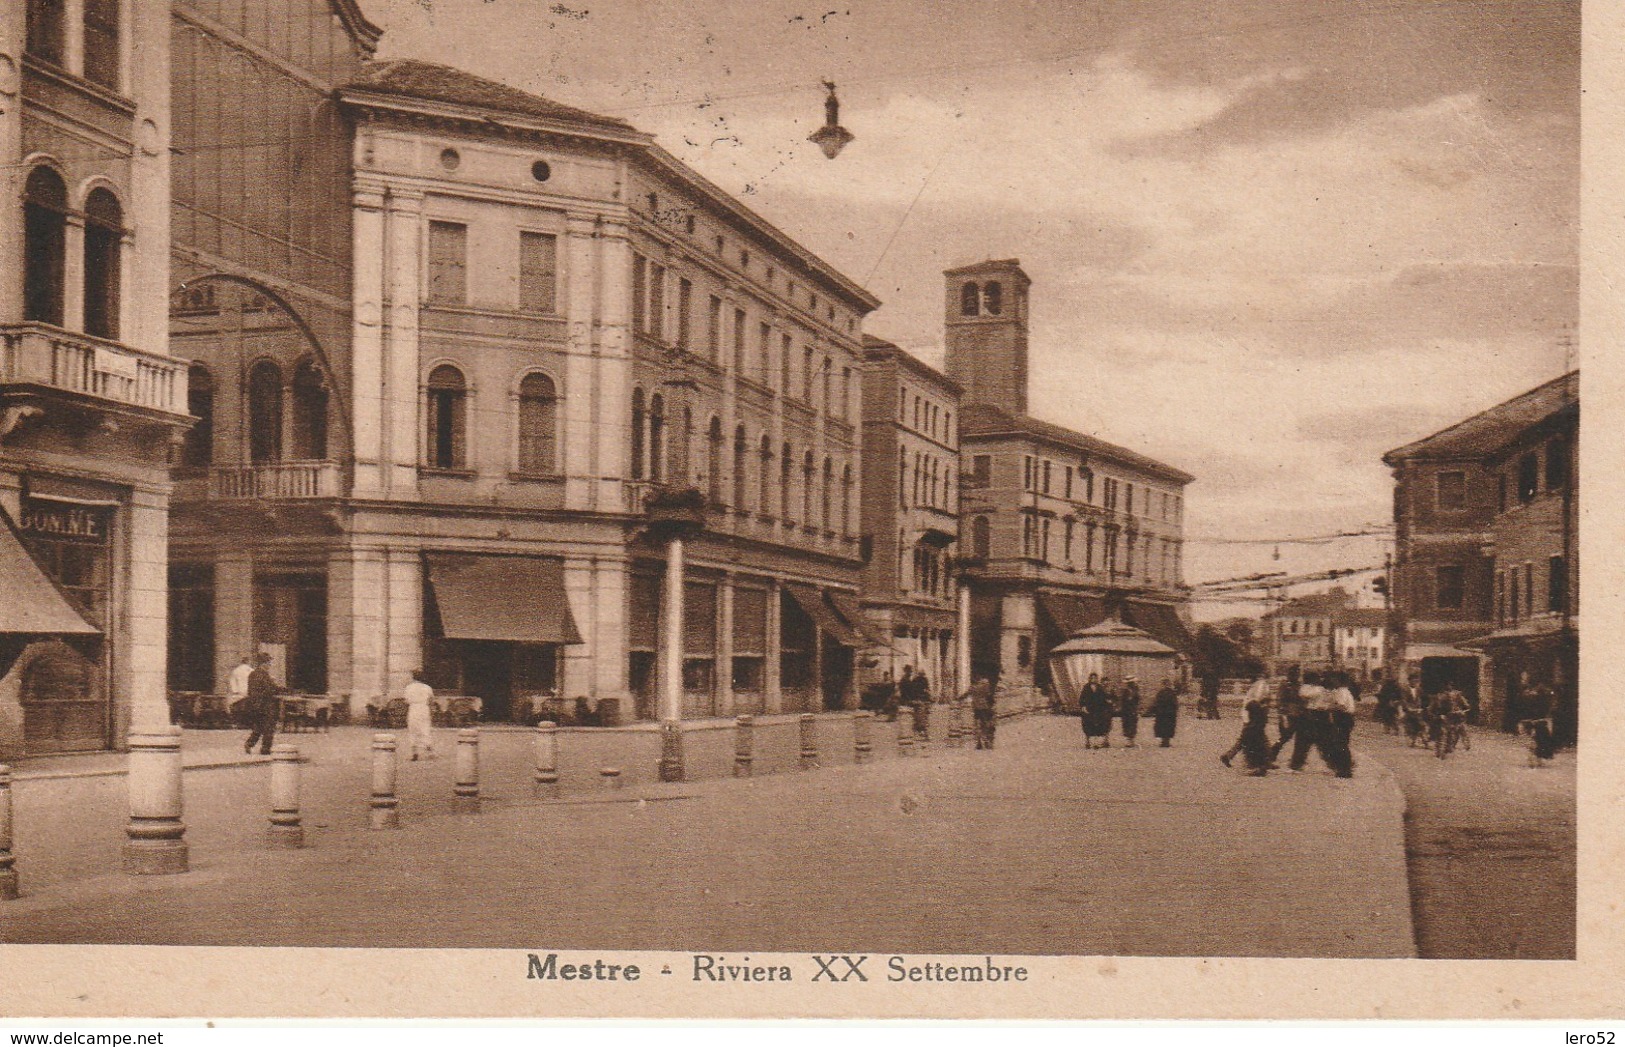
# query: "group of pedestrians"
{"points": [[1313, 712], [1100, 705], [887, 697]]}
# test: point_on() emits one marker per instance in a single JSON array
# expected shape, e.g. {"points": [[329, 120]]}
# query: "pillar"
{"points": [[962, 661], [671, 666], [725, 645], [366, 335], [773, 683], [612, 580], [356, 633], [143, 647], [13, 34], [404, 622], [233, 613]]}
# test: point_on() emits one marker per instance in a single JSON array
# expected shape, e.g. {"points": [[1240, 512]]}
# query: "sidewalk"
{"points": [[1038, 847]]}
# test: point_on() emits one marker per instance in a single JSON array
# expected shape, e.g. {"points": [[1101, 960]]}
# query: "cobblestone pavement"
{"points": [[1038, 848], [1491, 845]]}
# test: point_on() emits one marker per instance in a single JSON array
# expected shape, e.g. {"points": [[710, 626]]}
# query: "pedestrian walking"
{"points": [[1258, 697], [1164, 713], [1289, 711], [1095, 710], [1313, 723], [1389, 700], [264, 707], [982, 700], [1412, 711], [919, 699], [1254, 742], [237, 689], [1338, 750], [420, 715], [1210, 695], [1536, 721], [1128, 710]]}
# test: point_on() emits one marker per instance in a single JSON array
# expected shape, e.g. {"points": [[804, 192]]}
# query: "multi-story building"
{"points": [[90, 398], [911, 516], [538, 319], [1451, 491], [1536, 564], [1359, 641], [1302, 630], [1059, 529]]}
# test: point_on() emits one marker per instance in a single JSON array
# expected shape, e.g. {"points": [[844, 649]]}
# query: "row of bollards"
{"points": [[156, 833]]}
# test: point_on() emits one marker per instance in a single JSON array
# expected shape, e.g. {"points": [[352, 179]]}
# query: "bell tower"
{"points": [[985, 330]]}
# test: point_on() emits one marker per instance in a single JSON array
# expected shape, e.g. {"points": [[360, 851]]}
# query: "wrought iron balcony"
{"points": [[46, 357]]}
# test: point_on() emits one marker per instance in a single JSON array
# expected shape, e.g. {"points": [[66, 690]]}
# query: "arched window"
{"points": [[827, 501], [980, 538], [309, 412], [448, 418], [104, 235], [538, 424], [846, 502], [713, 461], [741, 468], [264, 413], [657, 437], [639, 420], [48, 30], [198, 450], [992, 298], [969, 299], [764, 504], [45, 239], [786, 470]]}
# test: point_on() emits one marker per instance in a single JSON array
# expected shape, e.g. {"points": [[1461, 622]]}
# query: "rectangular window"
{"points": [[1557, 464], [1128, 500], [657, 300], [766, 334], [538, 273], [846, 393], [1557, 585], [739, 341], [640, 292], [786, 354], [102, 43], [685, 304], [1528, 477], [713, 328], [1069, 483], [448, 263], [807, 374], [1047, 464], [1529, 586], [981, 468], [1500, 493], [47, 30], [1027, 472], [1451, 491], [1450, 587]]}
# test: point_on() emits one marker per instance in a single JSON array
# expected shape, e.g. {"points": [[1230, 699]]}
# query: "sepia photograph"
{"points": [[903, 493]]}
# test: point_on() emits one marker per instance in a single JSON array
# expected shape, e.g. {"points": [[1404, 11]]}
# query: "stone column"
{"points": [[143, 646], [355, 627], [671, 665], [233, 613], [725, 645], [405, 617], [13, 175], [156, 841], [8, 870], [773, 686], [285, 832], [962, 641]]}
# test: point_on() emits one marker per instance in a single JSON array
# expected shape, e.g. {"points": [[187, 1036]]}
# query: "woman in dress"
{"points": [[1128, 710], [1165, 712], [1095, 709]]}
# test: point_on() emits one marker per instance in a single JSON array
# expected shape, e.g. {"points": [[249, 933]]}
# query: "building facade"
{"points": [[1474, 510], [90, 399], [911, 516], [1359, 641], [1302, 631], [1059, 530], [538, 321]]}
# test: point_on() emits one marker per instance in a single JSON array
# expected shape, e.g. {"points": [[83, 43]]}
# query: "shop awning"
{"points": [[847, 605], [515, 598], [1417, 651], [32, 604], [1161, 621], [1070, 613], [823, 615]]}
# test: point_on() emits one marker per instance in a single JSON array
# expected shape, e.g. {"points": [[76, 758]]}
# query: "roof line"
{"points": [[1405, 451]]}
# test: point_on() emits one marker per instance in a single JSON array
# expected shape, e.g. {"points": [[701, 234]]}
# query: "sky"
{"points": [[1269, 240]]}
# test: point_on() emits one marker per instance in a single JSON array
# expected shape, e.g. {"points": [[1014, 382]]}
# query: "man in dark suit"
{"points": [[265, 708]]}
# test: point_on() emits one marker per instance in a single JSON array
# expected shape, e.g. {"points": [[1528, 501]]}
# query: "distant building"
{"points": [[1301, 631], [1359, 638], [1486, 567], [911, 516], [1059, 530], [90, 397]]}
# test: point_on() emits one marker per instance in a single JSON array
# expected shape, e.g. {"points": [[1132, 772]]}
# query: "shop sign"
{"points": [[64, 522]]}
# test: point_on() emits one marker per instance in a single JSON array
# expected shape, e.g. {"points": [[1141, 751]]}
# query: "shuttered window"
{"points": [[538, 273], [448, 263]]}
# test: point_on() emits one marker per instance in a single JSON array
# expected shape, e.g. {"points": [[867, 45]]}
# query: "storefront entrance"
{"points": [[511, 680]]}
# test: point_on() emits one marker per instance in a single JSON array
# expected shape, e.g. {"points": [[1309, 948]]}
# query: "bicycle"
{"points": [[1450, 734]]}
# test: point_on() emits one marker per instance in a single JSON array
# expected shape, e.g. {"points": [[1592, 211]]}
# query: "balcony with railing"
{"points": [[276, 480], [39, 355]]}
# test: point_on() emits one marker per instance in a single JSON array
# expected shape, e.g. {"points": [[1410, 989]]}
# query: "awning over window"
{"points": [[1070, 613], [1161, 621], [847, 605], [515, 598], [32, 604], [823, 615]]}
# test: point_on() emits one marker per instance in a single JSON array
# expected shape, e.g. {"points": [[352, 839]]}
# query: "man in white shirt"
{"points": [[237, 682], [420, 715]]}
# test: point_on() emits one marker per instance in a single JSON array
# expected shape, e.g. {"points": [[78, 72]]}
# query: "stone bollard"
{"points": [[671, 751], [862, 750], [285, 832], [8, 870], [744, 731], [905, 735], [385, 809], [466, 793], [956, 728], [611, 777], [547, 759], [809, 742], [157, 837]]}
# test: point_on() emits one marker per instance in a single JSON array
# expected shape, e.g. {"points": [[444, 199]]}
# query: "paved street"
{"points": [[1039, 847], [1491, 844]]}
